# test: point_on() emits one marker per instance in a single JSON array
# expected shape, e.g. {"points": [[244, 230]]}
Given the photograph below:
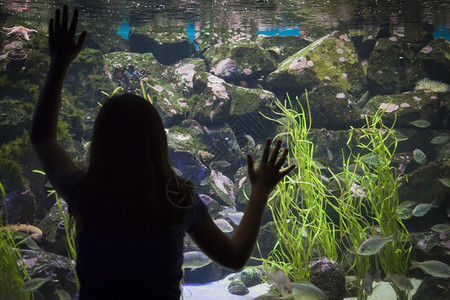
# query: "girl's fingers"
{"points": [[274, 155], [282, 158], [266, 150], [65, 18], [73, 24], [57, 19]]}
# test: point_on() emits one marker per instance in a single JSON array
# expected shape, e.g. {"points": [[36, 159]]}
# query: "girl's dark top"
{"points": [[110, 266]]}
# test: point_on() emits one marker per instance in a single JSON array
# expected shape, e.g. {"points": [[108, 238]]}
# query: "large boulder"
{"points": [[331, 59]]}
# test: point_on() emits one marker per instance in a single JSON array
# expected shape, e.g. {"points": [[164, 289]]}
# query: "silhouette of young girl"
{"points": [[131, 210]]}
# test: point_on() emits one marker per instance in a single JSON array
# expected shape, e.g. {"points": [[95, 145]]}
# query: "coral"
{"points": [[432, 85]]}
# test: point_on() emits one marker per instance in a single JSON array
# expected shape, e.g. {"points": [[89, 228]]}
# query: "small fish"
{"points": [[29, 241], [235, 216], [404, 213], [211, 115], [34, 283], [307, 290], [422, 209], [177, 171], [280, 280], [70, 276], [439, 139], [420, 123], [62, 294], [441, 227], [370, 160], [401, 281], [407, 203], [374, 244], [445, 181], [250, 141], [223, 225], [205, 199], [220, 163], [195, 260], [329, 154], [419, 156], [206, 181], [433, 267], [368, 284]]}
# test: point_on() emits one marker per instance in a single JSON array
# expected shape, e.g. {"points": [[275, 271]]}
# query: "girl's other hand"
{"points": [[62, 44], [267, 175]]}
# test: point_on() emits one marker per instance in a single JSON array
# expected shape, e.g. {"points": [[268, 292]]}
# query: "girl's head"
{"points": [[128, 136], [129, 168]]}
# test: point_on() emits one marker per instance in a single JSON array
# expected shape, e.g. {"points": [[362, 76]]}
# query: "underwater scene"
{"points": [[359, 91]]}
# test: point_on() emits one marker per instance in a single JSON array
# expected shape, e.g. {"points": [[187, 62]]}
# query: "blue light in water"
{"points": [[283, 31], [124, 30], [190, 30], [441, 31]]}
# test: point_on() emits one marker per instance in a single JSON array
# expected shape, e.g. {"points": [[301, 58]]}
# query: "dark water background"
{"points": [[313, 17]]}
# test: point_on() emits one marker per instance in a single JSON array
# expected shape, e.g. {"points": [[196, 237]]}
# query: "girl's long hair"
{"points": [[126, 185]]}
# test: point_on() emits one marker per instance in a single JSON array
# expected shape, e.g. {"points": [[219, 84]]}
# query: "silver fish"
{"points": [[433, 267], [329, 154], [404, 213], [280, 280], [441, 227], [250, 141], [445, 181], [368, 284], [374, 244], [419, 156], [422, 209], [223, 225], [307, 290], [62, 294], [34, 284], [235, 216], [420, 123], [401, 281], [439, 139], [195, 260]]}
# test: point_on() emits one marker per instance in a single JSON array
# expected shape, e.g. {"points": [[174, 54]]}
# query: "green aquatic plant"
{"points": [[13, 271], [300, 201], [69, 227], [368, 203]]}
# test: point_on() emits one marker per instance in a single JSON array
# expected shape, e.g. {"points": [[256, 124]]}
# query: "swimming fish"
{"points": [[34, 283], [368, 284], [433, 267], [419, 156], [195, 260], [308, 291], [329, 154], [374, 244], [422, 209], [439, 139], [280, 280], [420, 123], [407, 203], [404, 213], [445, 181], [250, 141], [62, 294], [233, 215], [401, 281], [223, 225], [441, 227]]}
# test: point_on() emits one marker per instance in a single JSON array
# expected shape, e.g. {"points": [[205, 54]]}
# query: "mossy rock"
{"points": [[86, 78], [333, 108], [248, 55], [435, 60], [281, 47], [410, 106], [331, 59], [393, 67]]}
